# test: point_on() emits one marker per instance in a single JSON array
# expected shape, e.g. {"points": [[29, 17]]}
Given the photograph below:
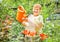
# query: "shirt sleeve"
{"points": [[41, 19]]}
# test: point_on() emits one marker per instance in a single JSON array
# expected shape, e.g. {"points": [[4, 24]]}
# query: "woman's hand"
{"points": [[25, 23]]}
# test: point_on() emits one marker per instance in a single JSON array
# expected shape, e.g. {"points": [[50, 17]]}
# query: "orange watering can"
{"points": [[21, 14]]}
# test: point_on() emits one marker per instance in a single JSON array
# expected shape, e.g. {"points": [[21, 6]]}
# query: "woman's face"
{"points": [[36, 10]]}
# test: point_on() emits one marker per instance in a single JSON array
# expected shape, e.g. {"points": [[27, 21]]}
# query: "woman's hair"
{"points": [[37, 5]]}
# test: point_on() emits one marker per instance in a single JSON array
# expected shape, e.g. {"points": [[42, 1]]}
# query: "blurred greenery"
{"points": [[51, 27]]}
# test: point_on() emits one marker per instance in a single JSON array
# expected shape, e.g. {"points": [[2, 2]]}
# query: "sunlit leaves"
{"points": [[51, 27]]}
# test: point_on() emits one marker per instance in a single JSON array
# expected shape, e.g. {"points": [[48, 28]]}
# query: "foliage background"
{"points": [[51, 26]]}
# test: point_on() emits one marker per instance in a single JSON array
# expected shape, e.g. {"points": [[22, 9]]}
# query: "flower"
{"points": [[32, 33], [26, 32], [43, 36], [29, 33]]}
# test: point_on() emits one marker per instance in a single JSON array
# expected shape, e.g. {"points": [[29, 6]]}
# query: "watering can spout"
{"points": [[21, 9]]}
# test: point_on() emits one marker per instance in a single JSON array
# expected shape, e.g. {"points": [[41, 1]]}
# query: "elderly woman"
{"points": [[35, 22]]}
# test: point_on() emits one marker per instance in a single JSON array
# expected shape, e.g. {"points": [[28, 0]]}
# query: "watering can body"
{"points": [[21, 13]]}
